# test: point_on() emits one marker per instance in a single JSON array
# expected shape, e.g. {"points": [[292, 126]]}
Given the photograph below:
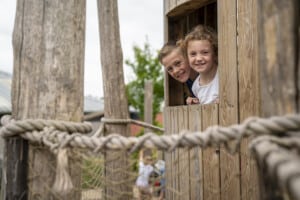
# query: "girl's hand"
{"points": [[191, 100]]}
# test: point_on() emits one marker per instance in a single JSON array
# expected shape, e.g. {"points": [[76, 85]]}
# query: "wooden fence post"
{"points": [[48, 44], [148, 103], [115, 101], [278, 25]]}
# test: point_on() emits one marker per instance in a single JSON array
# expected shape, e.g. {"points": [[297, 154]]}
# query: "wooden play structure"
{"points": [[255, 77], [259, 53]]}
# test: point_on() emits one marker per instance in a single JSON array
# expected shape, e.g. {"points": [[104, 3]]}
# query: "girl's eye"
{"points": [[192, 54]]}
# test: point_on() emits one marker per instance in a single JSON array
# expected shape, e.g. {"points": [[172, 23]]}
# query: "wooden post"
{"points": [[48, 44], [116, 107], [148, 103], [278, 23]]}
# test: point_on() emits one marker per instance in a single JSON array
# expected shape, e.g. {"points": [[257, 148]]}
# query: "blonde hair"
{"points": [[201, 32]]}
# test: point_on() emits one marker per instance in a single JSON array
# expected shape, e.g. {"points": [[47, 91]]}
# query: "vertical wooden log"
{"points": [[278, 22], [48, 43], [148, 103], [115, 100], [228, 112], [249, 93]]}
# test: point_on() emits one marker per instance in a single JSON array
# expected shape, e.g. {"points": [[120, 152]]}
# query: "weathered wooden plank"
{"points": [[176, 194], [168, 155], [196, 173], [184, 183], [172, 5], [249, 95], [228, 112], [166, 6], [173, 155], [181, 7], [47, 82], [211, 157]]}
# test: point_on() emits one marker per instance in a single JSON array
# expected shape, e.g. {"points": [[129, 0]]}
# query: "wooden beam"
{"points": [[48, 43], [117, 185], [278, 22]]}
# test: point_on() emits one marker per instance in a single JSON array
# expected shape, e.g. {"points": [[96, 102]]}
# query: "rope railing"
{"points": [[280, 163], [61, 135], [56, 134]]}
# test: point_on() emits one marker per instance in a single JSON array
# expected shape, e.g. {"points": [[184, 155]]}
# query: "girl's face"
{"points": [[201, 56], [176, 65]]}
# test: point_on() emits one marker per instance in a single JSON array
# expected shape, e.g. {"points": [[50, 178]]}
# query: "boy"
{"points": [[172, 58]]}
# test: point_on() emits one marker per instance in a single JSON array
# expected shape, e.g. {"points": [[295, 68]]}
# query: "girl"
{"points": [[201, 49]]}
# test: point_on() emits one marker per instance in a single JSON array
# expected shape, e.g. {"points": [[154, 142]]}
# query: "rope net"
{"points": [[185, 165]]}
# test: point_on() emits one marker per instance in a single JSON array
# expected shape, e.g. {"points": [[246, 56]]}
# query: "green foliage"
{"points": [[145, 66]]}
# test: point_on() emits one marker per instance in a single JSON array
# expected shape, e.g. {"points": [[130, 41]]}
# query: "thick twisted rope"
{"points": [[281, 165], [214, 135], [56, 135], [28, 125]]}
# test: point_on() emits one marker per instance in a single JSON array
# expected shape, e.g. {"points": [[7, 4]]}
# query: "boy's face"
{"points": [[176, 66], [201, 56]]}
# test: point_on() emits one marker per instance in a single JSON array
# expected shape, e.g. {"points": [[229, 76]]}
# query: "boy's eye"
{"points": [[178, 63], [169, 69]]}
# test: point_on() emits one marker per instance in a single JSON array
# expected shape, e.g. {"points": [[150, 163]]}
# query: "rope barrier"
{"points": [[282, 165], [58, 136]]}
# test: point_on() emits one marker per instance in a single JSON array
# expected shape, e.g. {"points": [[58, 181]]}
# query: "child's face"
{"points": [[201, 56], [176, 66]]}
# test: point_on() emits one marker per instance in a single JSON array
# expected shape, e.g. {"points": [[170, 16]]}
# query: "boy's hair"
{"points": [[202, 32], [168, 48]]}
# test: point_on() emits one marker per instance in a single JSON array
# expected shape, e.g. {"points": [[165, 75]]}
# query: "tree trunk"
{"points": [[48, 43], [115, 100]]}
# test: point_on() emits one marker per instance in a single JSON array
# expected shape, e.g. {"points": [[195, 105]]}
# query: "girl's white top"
{"points": [[206, 93], [144, 173]]}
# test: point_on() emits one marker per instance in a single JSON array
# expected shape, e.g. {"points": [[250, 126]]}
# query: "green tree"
{"points": [[145, 66]]}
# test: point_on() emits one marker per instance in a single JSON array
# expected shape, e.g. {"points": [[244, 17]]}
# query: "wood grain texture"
{"points": [[249, 91], [179, 7], [211, 157], [115, 100], [183, 156], [168, 155], [196, 164], [48, 46], [278, 22], [228, 112], [279, 32]]}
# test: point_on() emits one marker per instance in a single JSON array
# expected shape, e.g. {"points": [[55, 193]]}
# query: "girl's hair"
{"points": [[202, 32], [168, 48]]}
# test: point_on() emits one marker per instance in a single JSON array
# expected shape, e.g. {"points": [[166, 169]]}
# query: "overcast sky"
{"points": [[139, 19]]}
